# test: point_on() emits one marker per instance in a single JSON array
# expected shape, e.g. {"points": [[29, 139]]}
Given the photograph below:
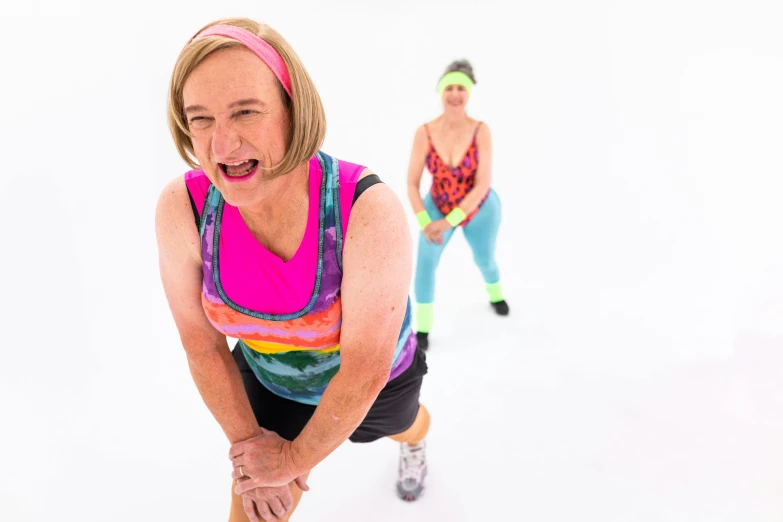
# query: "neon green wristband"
{"points": [[456, 217], [423, 218]]}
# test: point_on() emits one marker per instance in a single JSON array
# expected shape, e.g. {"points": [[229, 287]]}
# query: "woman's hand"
{"points": [[272, 504], [434, 231], [264, 461]]}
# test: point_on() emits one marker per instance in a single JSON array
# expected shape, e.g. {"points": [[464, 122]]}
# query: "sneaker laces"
{"points": [[412, 461]]}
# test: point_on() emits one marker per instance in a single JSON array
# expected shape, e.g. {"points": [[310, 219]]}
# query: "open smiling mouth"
{"points": [[239, 169]]}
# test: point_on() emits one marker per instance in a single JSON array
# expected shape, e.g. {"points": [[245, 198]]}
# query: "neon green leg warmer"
{"points": [[424, 317], [495, 291]]}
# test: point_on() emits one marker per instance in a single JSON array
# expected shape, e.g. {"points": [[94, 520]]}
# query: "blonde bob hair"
{"points": [[307, 126]]}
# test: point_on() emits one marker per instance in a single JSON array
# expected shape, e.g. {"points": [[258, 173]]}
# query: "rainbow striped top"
{"points": [[286, 315]]}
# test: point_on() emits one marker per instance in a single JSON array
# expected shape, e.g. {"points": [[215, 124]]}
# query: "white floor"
{"points": [[637, 155], [552, 414]]}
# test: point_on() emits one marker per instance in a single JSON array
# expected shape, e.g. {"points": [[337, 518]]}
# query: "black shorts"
{"points": [[392, 412]]}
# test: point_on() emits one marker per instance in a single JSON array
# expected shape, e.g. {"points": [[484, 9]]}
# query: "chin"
{"points": [[241, 198]]}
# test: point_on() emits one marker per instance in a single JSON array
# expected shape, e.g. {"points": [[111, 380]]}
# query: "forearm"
{"points": [[343, 406], [220, 384], [415, 199], [473, 198]]}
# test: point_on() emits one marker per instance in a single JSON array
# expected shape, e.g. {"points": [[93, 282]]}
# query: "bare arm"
{"points": [[483, 178], [416, 168], [376, 278], [211, 364]]}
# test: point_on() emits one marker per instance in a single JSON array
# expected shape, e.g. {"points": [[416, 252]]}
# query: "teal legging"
{"points": [[481, 233]]}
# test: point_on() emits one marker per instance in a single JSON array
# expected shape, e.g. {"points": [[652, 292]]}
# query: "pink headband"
{"points": [[262, 49]]}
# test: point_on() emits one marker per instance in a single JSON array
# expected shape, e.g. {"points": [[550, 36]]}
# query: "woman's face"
{"points": [[455, 98], [237, 119]]}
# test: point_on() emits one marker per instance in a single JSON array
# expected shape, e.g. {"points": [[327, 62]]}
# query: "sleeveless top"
{"points": [[285, 315]]}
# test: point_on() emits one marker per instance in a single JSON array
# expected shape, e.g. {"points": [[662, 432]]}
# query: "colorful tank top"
{"points": [[293, 353], [450, 185]]}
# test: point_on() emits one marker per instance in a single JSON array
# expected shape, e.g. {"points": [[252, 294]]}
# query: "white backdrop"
{"points": [[637, 156]]}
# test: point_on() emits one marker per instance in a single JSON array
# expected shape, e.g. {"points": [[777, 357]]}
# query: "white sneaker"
{"points": [[413, 469]]}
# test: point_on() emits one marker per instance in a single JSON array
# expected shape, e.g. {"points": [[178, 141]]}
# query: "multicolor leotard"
{"points": [[450, 185], [286, 314]]}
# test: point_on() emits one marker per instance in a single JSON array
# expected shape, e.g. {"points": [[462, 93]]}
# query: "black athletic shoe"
{"points": [[421, 339], [501, 307]]}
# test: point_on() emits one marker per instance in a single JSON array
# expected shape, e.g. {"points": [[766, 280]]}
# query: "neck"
{"points": [[281, 196], [451, 119]]}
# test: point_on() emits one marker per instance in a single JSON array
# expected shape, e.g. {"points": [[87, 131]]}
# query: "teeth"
{"points": [[251, 165]]}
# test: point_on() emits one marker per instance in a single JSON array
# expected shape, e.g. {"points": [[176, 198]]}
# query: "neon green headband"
{"points": [[455, 78]]}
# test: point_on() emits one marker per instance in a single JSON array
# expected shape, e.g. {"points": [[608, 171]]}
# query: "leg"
{"points": [[413, 463], [397, 414], [416, 433], [481, 234], [237, 513], [275, 413], [428, 257]]}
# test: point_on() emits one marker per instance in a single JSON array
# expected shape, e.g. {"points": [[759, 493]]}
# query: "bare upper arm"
{"points": [[179, 260], [377, 265], [418, 157], [484, 148]]}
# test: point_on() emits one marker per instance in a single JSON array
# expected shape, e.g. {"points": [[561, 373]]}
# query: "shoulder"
{"points": [[481, 127], [174, 193], [174, 223], [422, 131], [350, 173], [378, 198], [378, 238], [196, 179], [483, 133], [377, 210]]}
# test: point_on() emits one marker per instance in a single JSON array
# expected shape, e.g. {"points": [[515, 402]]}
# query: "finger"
{"points": [[286, 498], [301, 481], [277, 508], [239, 461], [250, 509], [239, 474], [246, 485], [264, 511], [236, 450], [243, 472]]}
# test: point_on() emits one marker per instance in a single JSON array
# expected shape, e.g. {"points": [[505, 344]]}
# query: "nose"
{"points": [[225, 140]]}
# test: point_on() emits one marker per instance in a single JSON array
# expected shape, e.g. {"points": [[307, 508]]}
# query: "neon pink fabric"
{"points": [[263, 50], [254, 277]]}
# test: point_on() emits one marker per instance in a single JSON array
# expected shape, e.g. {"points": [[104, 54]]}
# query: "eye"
{"points": [[245, 113], [199, 122]]}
